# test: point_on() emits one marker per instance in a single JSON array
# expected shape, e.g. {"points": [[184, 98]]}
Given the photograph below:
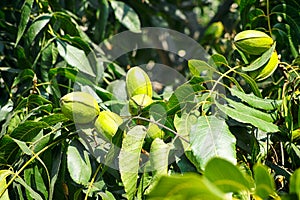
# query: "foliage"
{"points": [[226, 134]]}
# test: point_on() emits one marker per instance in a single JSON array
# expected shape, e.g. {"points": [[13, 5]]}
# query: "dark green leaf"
{"points": [[28, 130], [38, 24], [251, 83], [102, 21], [54, 119], [25, 16]]}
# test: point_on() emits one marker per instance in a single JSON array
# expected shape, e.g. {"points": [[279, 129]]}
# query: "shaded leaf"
{"points": [[25, 16], [38, 24], [34, 195], [126, 15], [28, 130], [251, 83]]}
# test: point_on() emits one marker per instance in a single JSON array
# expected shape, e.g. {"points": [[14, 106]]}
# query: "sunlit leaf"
{"points": [[159, 154], [246, 118], [256, 102], [295, 183], [129, 159], [261, 61], [226, 176], [189, 186], [3, 184], [75, 57], [79, 165], [264, 182], [210, 137]]}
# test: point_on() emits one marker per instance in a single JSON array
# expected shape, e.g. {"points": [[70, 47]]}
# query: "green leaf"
{"points": [[264, 182], [33, 175], [251, 83], [25, 16], [285, 31], [295, 183], [261, 61], [188, 186], [251, 111], [3, 184], [198, 66], [28, 130], [79, 165], [159, 154], [34, 195], [256, 13], [226, 176], [246, 118], [23, 146], [63, 20], [217, 60], [25, 75], [54, 118], [102, 21], [75, 57], [210, 137], [56, 158], [107, 195], [129, 159], [38, 24], [256, 102], [126, 15], [182, 98]]}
